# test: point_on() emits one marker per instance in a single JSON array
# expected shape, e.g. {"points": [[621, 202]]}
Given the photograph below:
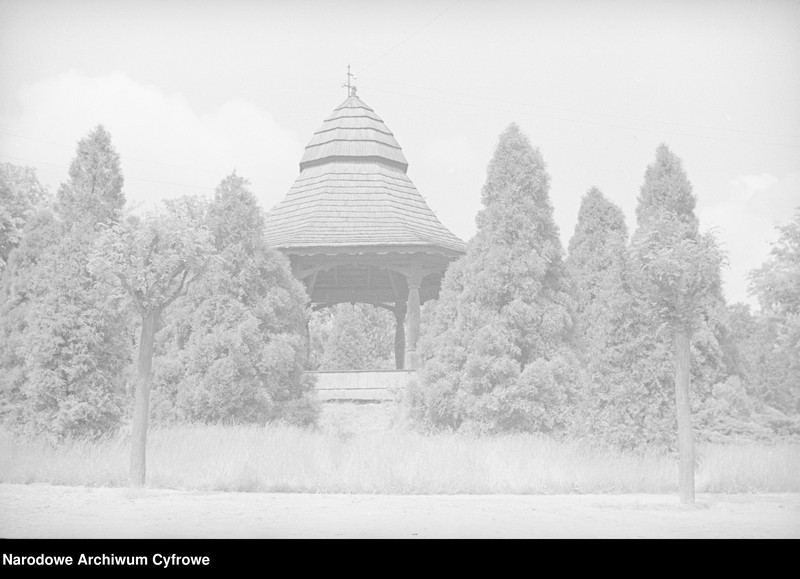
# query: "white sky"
{"points": [[191, 90]]}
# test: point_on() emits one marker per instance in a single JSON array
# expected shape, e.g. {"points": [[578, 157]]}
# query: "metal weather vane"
{"points": [[351, 88]]}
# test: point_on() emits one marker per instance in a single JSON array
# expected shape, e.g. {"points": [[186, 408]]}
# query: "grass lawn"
{"points": [[355, 450]]}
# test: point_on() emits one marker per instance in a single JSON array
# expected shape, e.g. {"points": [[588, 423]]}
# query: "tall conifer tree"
{"points": [[597, 264], [498, 354], [70, 334], [234, 348], [21, 195], [93, 192]]}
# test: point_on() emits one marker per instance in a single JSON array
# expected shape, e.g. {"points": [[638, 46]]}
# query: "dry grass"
{"points": [[391, 461]]}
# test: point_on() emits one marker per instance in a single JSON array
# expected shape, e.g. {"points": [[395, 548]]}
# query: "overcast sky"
{"points": [[191, 90]]}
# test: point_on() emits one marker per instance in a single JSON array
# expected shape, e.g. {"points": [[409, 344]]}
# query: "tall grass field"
{"points": [[391, 461]]}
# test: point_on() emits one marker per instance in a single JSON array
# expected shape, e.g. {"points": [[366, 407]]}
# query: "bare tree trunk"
{"points": [[685, 437], [141, 410]]}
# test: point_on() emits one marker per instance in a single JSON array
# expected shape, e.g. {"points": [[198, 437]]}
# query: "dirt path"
{"points": [[43, 511]]}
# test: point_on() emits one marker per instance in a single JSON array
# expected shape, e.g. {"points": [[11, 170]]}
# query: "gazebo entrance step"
{"points": [[362, 384]]}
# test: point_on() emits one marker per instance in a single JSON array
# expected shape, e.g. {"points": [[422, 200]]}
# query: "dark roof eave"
{"points": [[333, 250], [353, 159]]}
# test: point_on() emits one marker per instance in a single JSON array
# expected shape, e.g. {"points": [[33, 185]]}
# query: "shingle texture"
{"points": [[353, 191]]}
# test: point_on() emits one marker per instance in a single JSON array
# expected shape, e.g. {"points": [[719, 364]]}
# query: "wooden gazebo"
{"points": [[357, 230]]}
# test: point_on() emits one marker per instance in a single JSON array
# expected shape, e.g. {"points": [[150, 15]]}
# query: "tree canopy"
{"points": [[608, 401], [675, 273], [234, 349], [504, 319], [93, 192], [596, 263], [776, 284], [352, 337], [65, 335], [21, 195], [612, 343]]}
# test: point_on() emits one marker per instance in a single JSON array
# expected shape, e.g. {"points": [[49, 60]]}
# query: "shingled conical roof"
{"points": [[353, 193]]}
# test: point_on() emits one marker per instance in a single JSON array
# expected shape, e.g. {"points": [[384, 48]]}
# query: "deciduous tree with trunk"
{"points": [[776, 284], [153, 261], [675, 274]]}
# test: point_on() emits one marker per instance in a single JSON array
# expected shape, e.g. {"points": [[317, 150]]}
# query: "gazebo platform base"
{"points": [[362, 384]]}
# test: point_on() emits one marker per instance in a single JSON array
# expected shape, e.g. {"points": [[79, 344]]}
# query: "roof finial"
{"points": [[351, 89]]}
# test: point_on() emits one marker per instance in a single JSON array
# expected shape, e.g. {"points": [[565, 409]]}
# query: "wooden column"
{"points": [[308, 340], [310, 281], [399, 335], [413, 361]]}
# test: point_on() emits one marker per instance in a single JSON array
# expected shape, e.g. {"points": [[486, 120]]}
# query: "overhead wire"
{"points": [[568, 110], [126, 158], [467, 104], [594, 113], [585, 121], [125, 176], [412, 35]]}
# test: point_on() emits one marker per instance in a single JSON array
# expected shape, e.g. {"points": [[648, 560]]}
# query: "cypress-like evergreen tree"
{"points": [[498, 354], [93, 194], [21, 195], [69, 334], [597, 263], [234, 348], [27, 226]]}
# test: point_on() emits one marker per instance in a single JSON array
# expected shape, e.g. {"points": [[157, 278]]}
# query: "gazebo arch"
{"points": [[357, 230]]}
